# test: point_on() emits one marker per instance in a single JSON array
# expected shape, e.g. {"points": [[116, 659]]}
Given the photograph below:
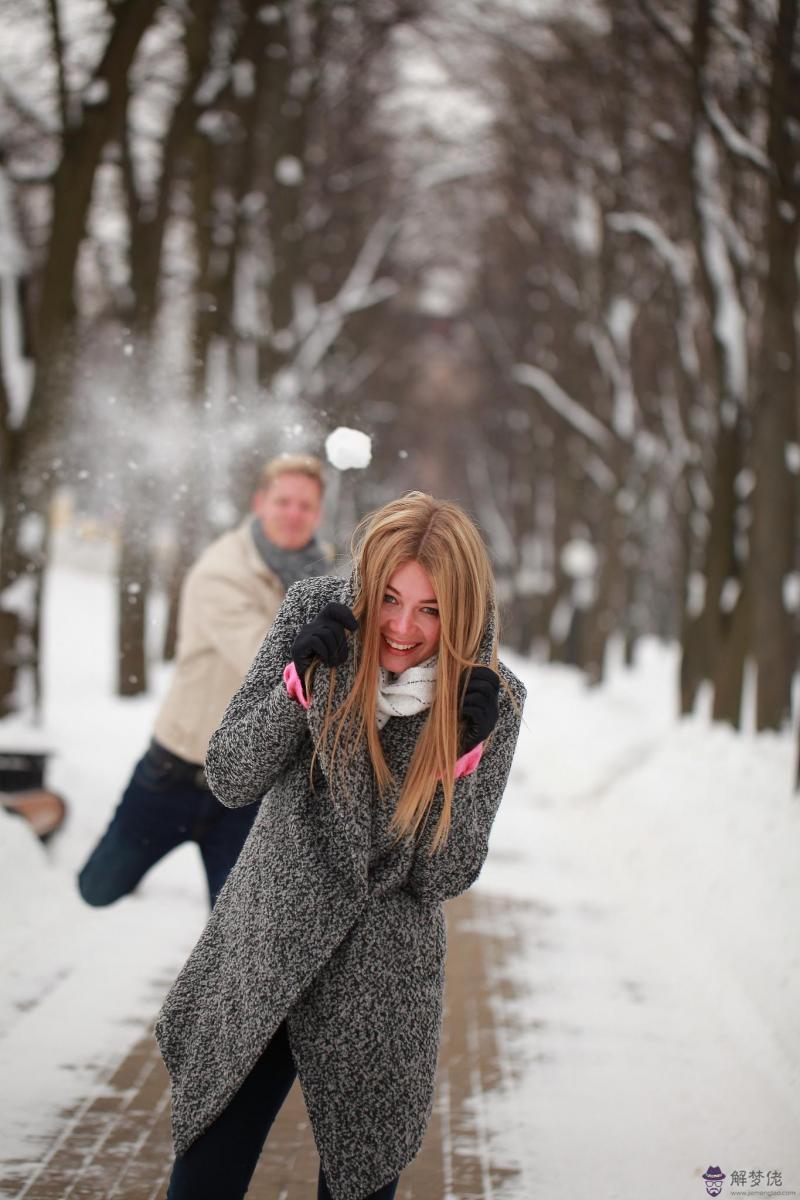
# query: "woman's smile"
{"points": [[399, 649]]}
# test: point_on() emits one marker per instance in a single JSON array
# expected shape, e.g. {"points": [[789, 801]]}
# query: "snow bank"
{"points": [[654, 959]]}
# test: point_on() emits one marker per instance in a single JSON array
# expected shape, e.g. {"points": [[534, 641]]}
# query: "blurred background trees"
{"points": [[548, 262]]}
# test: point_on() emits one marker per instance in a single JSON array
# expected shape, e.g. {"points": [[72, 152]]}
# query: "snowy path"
{"points": [[648, 995], [77, 985], [658, 972]]}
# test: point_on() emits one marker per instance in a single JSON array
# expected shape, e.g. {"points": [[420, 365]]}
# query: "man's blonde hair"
{"points": [[292, 464]]}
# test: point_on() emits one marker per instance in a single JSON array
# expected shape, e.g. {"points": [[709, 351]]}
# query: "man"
{"points": [[228, 603]]}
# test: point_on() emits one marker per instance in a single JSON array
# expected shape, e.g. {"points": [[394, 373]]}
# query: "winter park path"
{"points": [[623, 981], [115, 1145]]}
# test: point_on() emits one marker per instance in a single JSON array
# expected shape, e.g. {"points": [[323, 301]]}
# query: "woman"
{"points": [[374, 725]]}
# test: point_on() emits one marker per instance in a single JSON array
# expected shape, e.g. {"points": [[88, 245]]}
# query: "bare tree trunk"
{"points": [[147, 231], [191, 512], [133, 581], [730, 666], [28, 486], [704, 644], [287, 114], [723, 567], [774, 518]]}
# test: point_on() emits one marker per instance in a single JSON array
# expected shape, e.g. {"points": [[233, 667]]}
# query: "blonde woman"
{"points": [[379, 727]]}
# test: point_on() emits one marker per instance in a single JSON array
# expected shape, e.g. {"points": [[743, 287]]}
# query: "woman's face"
{"points": [[409, 621]]}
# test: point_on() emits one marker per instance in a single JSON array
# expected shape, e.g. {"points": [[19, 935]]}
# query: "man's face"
{"points": [[289, 510]]}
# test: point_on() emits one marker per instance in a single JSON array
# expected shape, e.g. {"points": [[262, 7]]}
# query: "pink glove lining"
{"points": [[294, 685], [468, 762]]}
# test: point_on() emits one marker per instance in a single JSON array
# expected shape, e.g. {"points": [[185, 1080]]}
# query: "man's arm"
{"points": [[263, 728], [228, 616]]}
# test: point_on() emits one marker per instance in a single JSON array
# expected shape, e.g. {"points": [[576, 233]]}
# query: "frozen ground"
{"points": [[654, 958]]}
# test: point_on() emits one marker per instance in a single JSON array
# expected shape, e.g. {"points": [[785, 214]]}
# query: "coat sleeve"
{"points": [[263, 727], [476, 799], [228, 615]]}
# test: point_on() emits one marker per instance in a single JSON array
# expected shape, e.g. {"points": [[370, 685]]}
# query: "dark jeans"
{"points": [[220, 1164], [165, 804]]}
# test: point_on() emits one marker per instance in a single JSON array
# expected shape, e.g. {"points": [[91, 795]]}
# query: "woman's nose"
{"points": [[403, 621]]}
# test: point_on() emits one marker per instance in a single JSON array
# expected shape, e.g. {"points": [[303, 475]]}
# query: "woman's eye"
{"points": [[387, 599], [432, 612]]}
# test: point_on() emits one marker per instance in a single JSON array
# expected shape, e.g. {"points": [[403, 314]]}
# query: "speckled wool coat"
{"points": [[325, 922]]}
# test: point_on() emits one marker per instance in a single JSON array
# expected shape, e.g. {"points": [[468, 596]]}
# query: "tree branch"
{"points": [[679, 38], [568, 409], [735, 142], [58, 54], [25, 113]]}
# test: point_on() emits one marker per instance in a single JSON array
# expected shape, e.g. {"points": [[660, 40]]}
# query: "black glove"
{"points": [[324, 638], [480, 708]]}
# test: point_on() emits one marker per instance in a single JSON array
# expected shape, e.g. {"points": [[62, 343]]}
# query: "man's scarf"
{"points": [[290, 565]]}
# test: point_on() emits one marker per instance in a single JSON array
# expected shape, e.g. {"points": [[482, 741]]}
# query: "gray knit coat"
{"points": [[325, 921]]}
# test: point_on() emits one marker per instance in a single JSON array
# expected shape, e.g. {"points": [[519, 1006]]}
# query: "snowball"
{"points": [[289, 171], [578, 559], [347, 448]]}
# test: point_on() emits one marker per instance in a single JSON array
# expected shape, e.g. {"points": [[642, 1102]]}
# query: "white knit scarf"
{"points": [[405, 694]]}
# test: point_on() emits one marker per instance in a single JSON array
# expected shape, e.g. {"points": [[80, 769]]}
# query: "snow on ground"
{"points": [[657, 974], [651, 984], [79, 985]]}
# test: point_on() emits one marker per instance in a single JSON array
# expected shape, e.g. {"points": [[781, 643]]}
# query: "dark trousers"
{"points": [[165, 804], [220, 1164]]}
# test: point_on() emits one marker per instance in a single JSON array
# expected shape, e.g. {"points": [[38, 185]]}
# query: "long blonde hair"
{"points": [[444, 541]]}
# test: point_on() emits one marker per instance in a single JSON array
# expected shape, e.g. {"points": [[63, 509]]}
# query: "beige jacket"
{"points": [[228, 603]]}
